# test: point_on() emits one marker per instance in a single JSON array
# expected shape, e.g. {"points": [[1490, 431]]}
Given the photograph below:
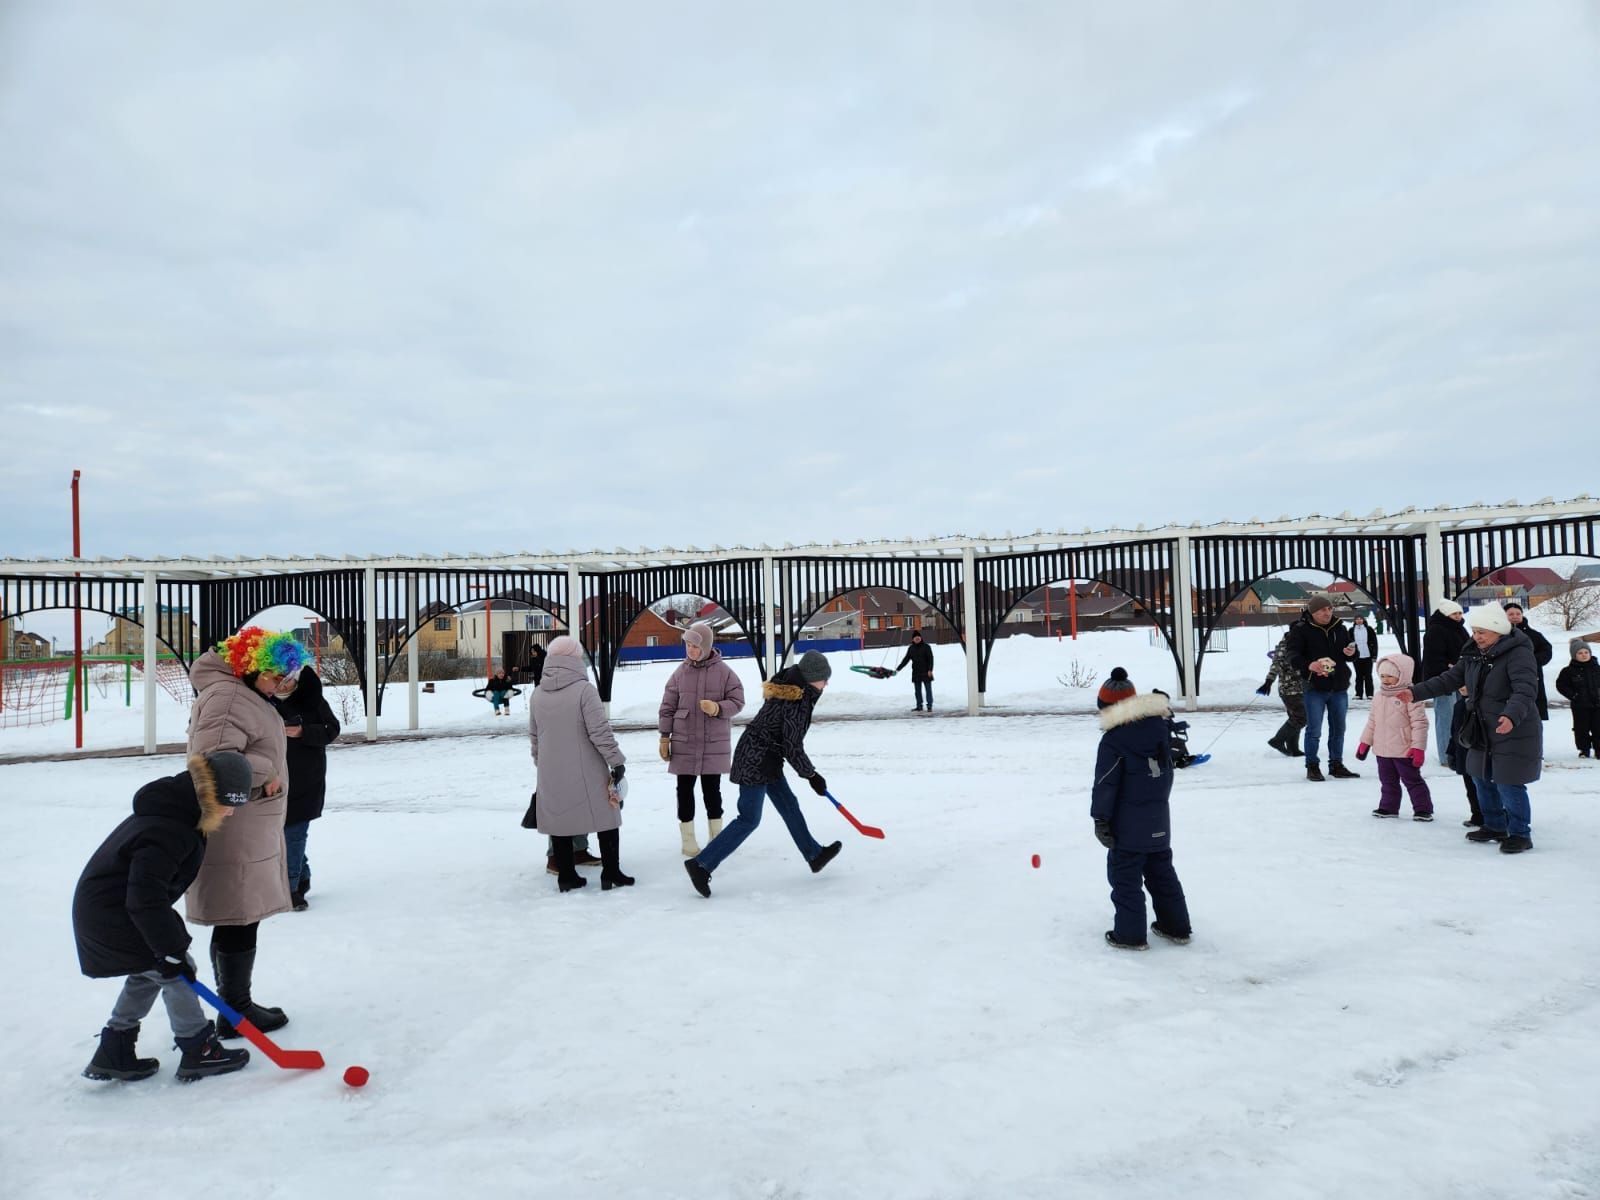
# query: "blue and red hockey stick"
{"points": [[871, 831], [291, 1060]]}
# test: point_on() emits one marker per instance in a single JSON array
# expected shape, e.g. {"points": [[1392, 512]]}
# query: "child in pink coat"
{"points": [[1398, 731]]}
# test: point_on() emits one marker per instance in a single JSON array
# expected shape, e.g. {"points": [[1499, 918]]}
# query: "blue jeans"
{"points": [[1335, 704], [921, 686], [294, 837], [1444, 708], [744, 823], [1505, 807]]}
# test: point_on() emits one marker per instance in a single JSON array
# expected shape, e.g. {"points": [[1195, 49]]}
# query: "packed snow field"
{"points": [[1368, 1008]]}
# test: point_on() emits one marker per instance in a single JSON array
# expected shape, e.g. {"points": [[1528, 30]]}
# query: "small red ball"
{"points": [[356, 1076], [1036, 860]]}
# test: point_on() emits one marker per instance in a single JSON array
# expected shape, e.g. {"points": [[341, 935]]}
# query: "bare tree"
{"points": [[1577, 603]]}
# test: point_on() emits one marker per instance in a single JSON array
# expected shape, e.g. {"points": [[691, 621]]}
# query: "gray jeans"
{"points": [[139, 996]]}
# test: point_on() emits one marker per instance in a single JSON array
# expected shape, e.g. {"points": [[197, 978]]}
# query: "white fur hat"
{"points": [[1448, 607], [1492, 617]]}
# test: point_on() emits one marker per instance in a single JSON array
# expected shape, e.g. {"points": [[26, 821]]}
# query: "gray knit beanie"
{"points": [[813, 666], [700, 634], [1317, 603], [1577, 644]]}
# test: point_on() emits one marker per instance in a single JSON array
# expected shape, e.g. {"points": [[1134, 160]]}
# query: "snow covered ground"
{"points": [[1372, 1009]]}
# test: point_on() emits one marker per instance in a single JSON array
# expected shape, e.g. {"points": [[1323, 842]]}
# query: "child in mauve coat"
{"points": [[1398, 731]]}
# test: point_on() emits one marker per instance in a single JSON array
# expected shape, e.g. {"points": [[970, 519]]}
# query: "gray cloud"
{"points": [[376, 276]]}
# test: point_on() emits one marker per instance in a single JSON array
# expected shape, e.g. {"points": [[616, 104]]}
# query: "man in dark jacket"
{"points": [[124, 923], [1543, 651], [920, 655], [777, 734], [1442, 642], [1319, 651], [1501, 732], [311, 727], [1132, 820], [1579, 682]]}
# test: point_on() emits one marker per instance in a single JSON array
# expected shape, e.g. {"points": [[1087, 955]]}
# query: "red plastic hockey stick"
{"points": [[868, 830], [290, 1060]]}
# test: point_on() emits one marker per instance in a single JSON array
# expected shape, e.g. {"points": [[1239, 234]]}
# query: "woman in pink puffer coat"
{"points": [[1398, 731]]}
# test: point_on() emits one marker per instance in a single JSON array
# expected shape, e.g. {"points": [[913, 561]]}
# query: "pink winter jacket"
{"points": [[1395, 727]]}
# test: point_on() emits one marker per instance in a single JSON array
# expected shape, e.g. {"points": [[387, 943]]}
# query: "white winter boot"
{"points": [[686, 828], [714, 825]]}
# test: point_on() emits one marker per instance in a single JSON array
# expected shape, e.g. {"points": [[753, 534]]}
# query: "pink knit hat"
{"points": [[565, 644]]}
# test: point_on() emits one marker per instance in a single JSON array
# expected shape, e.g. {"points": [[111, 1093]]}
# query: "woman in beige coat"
{"points": [[245, 875], [579, 764]]}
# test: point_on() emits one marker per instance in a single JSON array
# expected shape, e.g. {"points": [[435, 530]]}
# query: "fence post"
{"points": [[969, 623], [369, 602], [152, 599], [1183, 619], [413, 654]]}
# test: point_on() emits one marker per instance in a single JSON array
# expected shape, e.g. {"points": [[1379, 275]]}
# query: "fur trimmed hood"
{"points": [[772, 690], [205, 791], [1135, 708]]}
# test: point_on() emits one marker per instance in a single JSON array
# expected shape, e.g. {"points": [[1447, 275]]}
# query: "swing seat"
{"points": [[875, 672]]}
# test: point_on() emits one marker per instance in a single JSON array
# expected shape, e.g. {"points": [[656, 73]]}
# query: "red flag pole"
{"points": [[77, 618]]}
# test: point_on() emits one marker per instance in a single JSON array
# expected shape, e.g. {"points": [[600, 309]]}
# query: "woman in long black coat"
{"points": [[310, 725]]}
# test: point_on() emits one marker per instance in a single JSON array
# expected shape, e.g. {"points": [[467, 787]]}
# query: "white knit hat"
{"points": [[1492, 617], [1448, 607]]}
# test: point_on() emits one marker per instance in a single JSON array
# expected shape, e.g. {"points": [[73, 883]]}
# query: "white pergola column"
{"points": [[969, 627], [1183, 618], [413, 655], [1434, 546], [769, 613], [370, 604], [152, 604]]}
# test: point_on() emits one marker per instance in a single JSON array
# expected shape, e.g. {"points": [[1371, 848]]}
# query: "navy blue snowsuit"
{"points": [[1133, 782]]}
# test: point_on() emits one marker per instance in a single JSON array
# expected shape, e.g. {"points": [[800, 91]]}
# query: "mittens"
{"points": [[1361, 751], [1417, 757], [1103, 835], [710, 707], [665, 749]]}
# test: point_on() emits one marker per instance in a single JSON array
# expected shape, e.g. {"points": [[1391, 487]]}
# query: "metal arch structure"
{"points": [[1004, 581], [335, 596], [120, 598], [1206, 564], [1472, 554], [413, 595], [1385, 566], [614, 600], [806, 584]]}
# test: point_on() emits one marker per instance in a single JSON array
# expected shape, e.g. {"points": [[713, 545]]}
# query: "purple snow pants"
{"points": [[1392, 772]]}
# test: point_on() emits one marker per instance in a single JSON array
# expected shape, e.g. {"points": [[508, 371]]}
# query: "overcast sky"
{"points": [[374, 276]]}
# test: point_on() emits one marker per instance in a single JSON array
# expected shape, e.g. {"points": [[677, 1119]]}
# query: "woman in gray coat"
{"points": [[696, 725], [244, 878], [579, 766], [1501, 733]]}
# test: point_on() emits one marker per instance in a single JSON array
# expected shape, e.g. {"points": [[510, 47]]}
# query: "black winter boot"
{"points": [[234, 970], [1338, 770], [567, 877], [1314, 774], [825, 856], [115, 1058], [699, 876], [611, 875], [203, 1055], [1283, 741]]}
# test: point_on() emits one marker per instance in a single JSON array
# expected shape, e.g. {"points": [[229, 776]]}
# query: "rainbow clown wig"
{"points": [[254, 649]]}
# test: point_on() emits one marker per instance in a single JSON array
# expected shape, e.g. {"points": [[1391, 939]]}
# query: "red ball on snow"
{"points": [[356, 1076], [1036, 860]]}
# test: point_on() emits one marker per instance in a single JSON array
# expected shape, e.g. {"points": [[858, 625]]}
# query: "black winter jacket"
{"points": [[1500, 681], [920, 656], [1543, 652], [1133, 774], [1580, 683], [308, 753], [1442, 642], [122, 914], [1309, 641], [778, 731]]}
